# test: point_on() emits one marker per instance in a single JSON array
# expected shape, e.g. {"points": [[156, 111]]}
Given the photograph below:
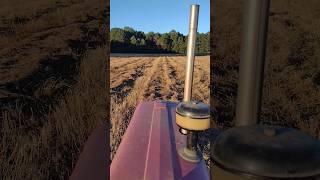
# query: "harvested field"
{"points": [[134, 79], [291, 91], [52, 84]]}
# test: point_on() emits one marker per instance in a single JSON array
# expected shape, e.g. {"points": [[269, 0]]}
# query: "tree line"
{"points": [[128, 40]]}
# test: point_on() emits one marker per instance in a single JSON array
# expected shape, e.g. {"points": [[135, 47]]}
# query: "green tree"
{"points": [[177, 41], [140, 34], [129, 29], [156, 38], [203, 43], [133, 40], [117, 34], [142, 42], [150, 36], [173, 41], [182, 45], [165, 42]]}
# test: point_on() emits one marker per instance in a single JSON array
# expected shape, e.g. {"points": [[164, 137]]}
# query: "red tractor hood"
{"points": [[148, 150]]}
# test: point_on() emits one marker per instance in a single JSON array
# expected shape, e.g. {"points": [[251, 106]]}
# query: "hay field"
{"points": [[52, 84], [134, 79], [291, 91]]}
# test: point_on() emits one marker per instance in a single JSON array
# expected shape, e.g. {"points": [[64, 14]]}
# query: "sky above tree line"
{"points": [[158, 15]]}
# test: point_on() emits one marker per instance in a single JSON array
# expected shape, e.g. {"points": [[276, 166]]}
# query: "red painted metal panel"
{"points": [[148, 150], [93, 161]]}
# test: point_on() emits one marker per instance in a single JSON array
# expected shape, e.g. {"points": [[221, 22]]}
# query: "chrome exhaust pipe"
{"points": [[252, 58], [193, 26], [191, 116], [192, 137]]}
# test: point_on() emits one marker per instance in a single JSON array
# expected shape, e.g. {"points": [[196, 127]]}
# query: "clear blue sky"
{"points": [[158, 15]]}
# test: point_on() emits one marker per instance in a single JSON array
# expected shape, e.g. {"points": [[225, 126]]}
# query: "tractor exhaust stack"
{"points": [[191, 116], [192, 137], [253, 50], [193, 26]]}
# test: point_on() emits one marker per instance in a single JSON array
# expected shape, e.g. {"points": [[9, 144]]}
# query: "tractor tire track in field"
{"points": [[121, 68], [176, 86], [125, 77], [123, 64], [168, 81], [164, 85], [153, 90], [126, 86]]}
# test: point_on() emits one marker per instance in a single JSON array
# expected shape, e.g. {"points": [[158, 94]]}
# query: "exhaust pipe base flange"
{"points": [[189, 155]]}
